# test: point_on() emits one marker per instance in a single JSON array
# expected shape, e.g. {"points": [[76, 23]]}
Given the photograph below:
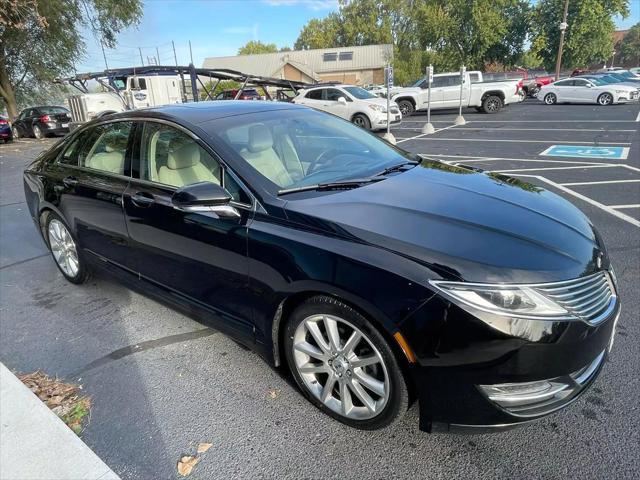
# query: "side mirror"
{"points": [[204, 197], [589, 85], [342, 101]]}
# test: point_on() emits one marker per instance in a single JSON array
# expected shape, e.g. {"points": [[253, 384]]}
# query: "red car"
{"points": [[247, 94]]}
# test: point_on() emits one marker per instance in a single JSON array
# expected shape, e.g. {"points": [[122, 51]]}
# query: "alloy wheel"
{"points": [[15, 134], [37, 132], [359, 121], [341, 367], [493, 105], [605, 99], [550, 99], [63, 248]]}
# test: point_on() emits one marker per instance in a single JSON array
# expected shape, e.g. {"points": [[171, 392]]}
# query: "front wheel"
{"points": [[15, 133], [605, 99], [362, 121], [550, 99], [343, 365], [492, 104], [65, 251], [406, 108]]}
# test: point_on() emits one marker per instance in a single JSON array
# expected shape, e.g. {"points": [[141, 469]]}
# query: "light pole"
{"points": [[427, 128], [563, 28]]}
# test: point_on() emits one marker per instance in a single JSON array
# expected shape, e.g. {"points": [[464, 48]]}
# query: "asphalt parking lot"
{"points": [[161, 382]]}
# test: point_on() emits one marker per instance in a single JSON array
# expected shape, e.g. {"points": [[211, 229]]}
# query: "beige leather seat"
{"points": [[284, 147], [109, 161], [261, 156], [184, 167]]}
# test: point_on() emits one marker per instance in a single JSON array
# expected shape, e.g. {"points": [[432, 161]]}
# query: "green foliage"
{"points": [[588, 38], [255, 46], [220, 87], [42, 39], [630, 46]]}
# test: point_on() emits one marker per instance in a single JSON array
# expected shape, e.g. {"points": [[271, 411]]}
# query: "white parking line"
{"points": [[599, 205], [421, 137], [571, 120], [475, 158], [498, 129], [600, 165], [638, 117], [602, 182], [632, 205], [423, 134]]}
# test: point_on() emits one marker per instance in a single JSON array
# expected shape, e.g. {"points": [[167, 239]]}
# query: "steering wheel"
{"points": [[323, 160], [319, 160]]}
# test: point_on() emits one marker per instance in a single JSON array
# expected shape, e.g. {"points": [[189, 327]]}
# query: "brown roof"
{"points": [[618, 35]]}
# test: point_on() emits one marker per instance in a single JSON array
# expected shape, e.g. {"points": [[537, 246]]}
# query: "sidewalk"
{"points": [[36, 444]]}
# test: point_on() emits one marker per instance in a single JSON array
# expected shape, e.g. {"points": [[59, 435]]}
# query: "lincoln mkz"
{"points": [[377, 277]]}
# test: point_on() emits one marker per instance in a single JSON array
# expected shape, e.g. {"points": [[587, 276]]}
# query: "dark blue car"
{"points": [[5, 130]]}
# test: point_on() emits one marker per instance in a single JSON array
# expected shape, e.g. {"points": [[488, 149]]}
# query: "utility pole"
{"points": [[190, 52], [563, 28], [157, 56], [141, 60], [106, 66]]}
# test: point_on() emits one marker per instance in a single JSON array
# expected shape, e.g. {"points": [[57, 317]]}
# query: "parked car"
{"points": [[635, 70], [246, 94], [5, 130], [580, 71], [620, 78], [42, 121], [531, 80], [583, 90], [610, 80], [609, 69], [351, 103], [376, 276], [487, 97]]}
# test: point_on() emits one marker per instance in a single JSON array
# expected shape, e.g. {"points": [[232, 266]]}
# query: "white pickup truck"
{"points": [[488, 97]]}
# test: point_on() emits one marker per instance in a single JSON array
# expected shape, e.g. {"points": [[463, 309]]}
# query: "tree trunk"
{"points": [[6, 89]]}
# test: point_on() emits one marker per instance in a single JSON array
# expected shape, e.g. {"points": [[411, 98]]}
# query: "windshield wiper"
{"points": [[396, 168], [342, 185]]}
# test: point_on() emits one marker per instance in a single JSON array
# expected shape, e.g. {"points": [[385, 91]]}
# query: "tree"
{"points": [[41, 40], [255, 46], [630, 46], [589, 35]]}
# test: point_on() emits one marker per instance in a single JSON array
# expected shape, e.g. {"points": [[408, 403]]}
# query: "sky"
{"points": [[218, 28]]}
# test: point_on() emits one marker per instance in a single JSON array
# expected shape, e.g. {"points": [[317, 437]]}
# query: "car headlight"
{"points": [[378, 108], [621, 91], [508, 300]]}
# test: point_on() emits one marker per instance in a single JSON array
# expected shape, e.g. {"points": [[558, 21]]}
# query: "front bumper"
{"points": [[458, 353], [379, 120]]}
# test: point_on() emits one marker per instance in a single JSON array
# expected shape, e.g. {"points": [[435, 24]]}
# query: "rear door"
{"points": [[314, 99], [195, 255], [564, 90], [92, 175], [583, 91]]}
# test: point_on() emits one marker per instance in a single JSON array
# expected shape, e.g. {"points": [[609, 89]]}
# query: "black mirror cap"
{"points": [[202, 193]]}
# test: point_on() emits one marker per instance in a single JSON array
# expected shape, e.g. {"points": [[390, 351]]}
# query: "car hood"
{"points": [[380, 101], [462, 224]]}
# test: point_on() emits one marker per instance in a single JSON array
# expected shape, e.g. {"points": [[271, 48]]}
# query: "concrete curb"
{"points": [[36, 444]]}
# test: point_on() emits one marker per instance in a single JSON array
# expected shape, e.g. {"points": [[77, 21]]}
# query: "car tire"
{"points": [[362, 121], [366, 397], [533, 92], [550, 99], [406, 108], [605, 99], [64, 250], [15, 133], [492, 104], [37, 132]]}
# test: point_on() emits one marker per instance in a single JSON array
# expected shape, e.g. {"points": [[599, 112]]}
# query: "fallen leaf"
{"points": [[273, 393], [186, 464], [203, 447]]}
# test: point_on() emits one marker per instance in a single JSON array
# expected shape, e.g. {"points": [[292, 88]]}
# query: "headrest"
{"points": [[259, 138], [184, 156]]}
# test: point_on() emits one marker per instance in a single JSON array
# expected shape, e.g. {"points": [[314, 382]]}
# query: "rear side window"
{"points": [[106, 148]]}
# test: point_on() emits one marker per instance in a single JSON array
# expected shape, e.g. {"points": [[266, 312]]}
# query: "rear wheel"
{"points": [[550, 98], [492, 104], [605, 99], [37, 132], [406, 107], [343, 365], [15, 133], [64, 250], [362, 121]]}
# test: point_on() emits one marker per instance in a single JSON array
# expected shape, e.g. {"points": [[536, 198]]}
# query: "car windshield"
{"points": [[360, 93], [627, 74], [52, 110], [295, 148], [417, 82], [596, 81]]}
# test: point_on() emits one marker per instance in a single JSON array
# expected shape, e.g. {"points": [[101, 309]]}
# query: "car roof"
{"points": [[199, 112]]}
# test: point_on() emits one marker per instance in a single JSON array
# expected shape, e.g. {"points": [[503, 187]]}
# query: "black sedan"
{"points": [[40, 122], [377, 277], [6, 135]]}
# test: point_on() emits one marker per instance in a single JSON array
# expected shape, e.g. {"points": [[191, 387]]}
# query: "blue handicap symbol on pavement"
{"points": [[586, 151]]}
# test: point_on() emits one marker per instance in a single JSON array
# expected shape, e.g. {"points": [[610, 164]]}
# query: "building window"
{"points": [[330, 57], [346, 55]]}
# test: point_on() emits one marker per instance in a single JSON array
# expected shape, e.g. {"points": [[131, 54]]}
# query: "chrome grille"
{"points": [[589, 298], [394, 110]]}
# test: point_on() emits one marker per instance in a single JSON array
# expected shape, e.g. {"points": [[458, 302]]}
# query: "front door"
{"points": [[91, 176], [197, 256]]}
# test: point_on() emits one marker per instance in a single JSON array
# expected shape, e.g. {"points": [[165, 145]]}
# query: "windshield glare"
{"points": [[52, 110], [360, 93], [296, 148]]}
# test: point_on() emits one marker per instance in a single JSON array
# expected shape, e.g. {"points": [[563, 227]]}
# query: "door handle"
{"points": [[142, 199], [70, 181]]}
